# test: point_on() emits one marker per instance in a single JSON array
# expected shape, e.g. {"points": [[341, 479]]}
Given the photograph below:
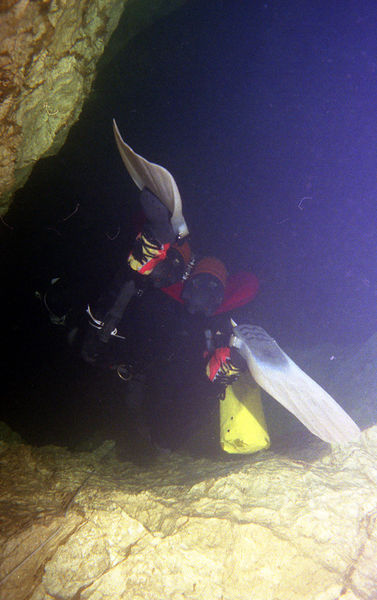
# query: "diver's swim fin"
{"points": [[157, 179], [280, 377]]}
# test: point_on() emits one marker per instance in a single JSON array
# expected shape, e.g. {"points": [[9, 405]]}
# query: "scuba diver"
{"points": [[161, 258], [208, 289], [160, 261]]}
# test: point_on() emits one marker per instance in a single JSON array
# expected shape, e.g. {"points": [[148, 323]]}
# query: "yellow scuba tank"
{"points": [[243, 427]]}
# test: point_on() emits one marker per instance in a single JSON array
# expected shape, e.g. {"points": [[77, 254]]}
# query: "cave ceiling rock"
{"points": [[85, 525], [49, 53]]}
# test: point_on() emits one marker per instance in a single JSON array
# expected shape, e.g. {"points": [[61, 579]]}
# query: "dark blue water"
{"points": [[265, 114]]}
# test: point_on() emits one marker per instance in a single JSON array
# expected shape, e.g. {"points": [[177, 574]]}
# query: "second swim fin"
{"points": [[280, 377]]}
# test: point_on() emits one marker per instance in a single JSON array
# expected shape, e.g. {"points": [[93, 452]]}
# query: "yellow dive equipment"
{"points": [[242, 424]]}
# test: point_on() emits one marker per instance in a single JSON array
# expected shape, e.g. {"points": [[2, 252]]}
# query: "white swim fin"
{"points": [[157, 179], [280, 377]]}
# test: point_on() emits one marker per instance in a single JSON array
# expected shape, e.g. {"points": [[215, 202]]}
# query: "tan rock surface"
{"points": [[265, 527], [49, 52]]}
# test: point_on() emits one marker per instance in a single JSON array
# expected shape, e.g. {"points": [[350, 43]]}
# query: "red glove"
{"points": [[221, 367]]}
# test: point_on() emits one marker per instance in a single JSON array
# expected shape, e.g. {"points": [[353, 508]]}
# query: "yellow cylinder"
{"points": [[243, 427]]}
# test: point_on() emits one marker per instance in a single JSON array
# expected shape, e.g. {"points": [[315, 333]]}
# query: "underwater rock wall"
{"points": [[264, 527], [49, 52]]}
